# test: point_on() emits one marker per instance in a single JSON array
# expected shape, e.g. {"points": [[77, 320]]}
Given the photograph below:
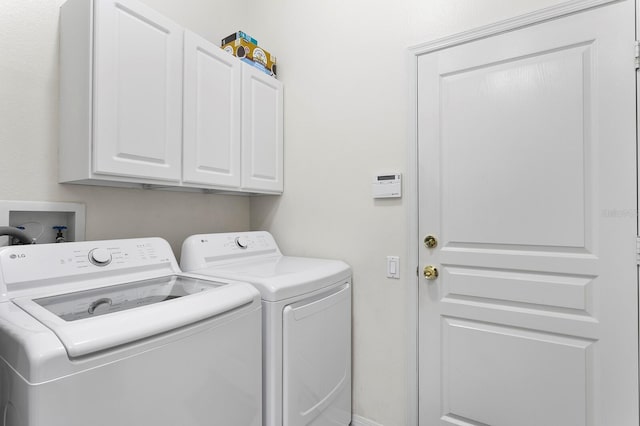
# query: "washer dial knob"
{"points": [[242, 242], [100, 257]]}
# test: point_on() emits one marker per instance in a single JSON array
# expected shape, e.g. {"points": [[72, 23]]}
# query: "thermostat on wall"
{"points": [[387, 186]]}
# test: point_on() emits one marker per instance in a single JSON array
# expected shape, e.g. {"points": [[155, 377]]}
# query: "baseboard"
{"points": [[361, 421]]}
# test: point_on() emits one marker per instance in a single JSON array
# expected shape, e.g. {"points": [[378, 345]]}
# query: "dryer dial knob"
{"points": [[242, 242], [100, 257]]}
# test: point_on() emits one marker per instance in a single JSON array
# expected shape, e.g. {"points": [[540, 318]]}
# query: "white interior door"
{"points": [[527, 178]]}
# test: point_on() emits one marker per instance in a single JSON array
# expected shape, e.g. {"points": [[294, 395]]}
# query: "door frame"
{"points": [[412, 187]]}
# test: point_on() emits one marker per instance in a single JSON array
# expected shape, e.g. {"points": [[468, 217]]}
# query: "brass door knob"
{"points": [[430, 272], [430, 241]]}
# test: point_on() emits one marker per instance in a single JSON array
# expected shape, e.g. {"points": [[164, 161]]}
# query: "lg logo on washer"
{"points": [[17, 256]]}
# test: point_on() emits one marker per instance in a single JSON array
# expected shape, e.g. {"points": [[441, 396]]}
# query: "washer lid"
{"points": [[101, 318], [281, 277]]}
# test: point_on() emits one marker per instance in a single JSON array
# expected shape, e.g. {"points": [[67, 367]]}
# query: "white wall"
{"points": [[29, 127], [344, 66]]}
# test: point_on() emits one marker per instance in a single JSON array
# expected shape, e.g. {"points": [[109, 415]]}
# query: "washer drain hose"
{"points": [[16, 233]]}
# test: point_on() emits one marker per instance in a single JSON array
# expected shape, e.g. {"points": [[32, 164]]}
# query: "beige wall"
{"points": [[28, 129], [344, 66]]}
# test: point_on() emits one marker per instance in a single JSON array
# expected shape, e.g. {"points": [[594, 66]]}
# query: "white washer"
{"points": [[112, 333], [306, 322]]}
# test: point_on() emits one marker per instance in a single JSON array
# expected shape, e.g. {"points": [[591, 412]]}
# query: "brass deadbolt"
{"points": [[430, 241]]}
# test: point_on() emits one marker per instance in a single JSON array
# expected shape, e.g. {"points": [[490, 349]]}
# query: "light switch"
{"points": [[393, 267]]}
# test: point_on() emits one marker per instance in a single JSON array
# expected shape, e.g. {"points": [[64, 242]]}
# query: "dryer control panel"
{"points": [[202, 250]]}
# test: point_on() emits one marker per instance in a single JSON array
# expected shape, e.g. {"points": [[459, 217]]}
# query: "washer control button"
{"points": [[100, 257], [242, 242]]}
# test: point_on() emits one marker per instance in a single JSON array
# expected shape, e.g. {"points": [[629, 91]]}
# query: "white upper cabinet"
{"points": [[211, 145], [120, 93], [137, 91], [262, 131], [144, 102]]}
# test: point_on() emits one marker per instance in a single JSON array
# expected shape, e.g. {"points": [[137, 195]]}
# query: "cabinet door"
{"points": [[262, 139], [137, 91], [211, 145]]}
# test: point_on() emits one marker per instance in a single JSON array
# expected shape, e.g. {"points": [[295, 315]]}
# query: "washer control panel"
{"points": [[49, 261]]}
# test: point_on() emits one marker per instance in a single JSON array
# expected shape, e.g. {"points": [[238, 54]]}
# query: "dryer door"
{"points": [[317, 360]]}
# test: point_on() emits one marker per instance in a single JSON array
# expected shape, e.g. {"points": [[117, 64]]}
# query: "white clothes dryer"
{"points": [[306, 323], [112, 333]]}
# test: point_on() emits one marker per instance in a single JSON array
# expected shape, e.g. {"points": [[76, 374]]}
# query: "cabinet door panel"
{"points": [[137, 92], [211, 114], [262, 137]]}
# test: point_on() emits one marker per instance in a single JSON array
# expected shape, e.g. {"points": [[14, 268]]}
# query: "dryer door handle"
{"points": [[320, 302]]}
